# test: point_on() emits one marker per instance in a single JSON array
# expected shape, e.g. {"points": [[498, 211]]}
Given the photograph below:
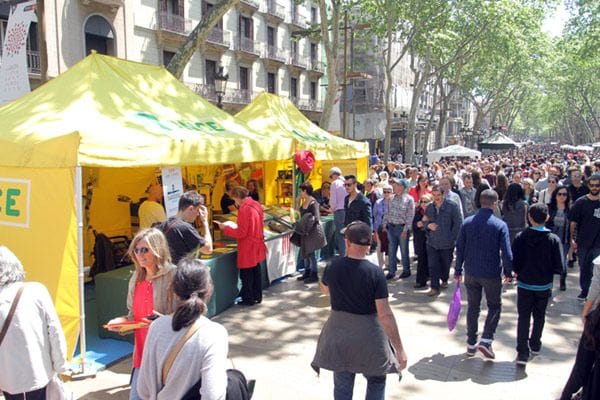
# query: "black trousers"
{"points": [[251, 291], [39, 394], [531, 303]]}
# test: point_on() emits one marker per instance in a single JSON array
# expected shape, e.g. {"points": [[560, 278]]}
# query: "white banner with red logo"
{"points": [[14, 79], [281, 257]]}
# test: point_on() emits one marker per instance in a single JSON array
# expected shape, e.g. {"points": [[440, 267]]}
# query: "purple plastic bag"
{"points": [[455, 307]]}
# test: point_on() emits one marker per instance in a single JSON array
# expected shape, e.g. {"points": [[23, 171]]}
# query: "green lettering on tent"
{"points": [[214, 126], [10, 202], [154, 119], [309, 137]]}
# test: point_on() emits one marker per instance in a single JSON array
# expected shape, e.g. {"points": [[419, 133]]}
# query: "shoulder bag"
{"points": [[237, 386]]}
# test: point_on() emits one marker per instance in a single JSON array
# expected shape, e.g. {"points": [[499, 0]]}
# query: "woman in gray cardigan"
{"points": [[204, 353], [312, 236]]}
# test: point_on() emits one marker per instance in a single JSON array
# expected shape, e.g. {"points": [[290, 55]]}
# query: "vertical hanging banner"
{"points": [[14, 79], [172, 182]]}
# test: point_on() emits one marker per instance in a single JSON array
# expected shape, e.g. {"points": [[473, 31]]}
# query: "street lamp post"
{"points": [[220, 84]]}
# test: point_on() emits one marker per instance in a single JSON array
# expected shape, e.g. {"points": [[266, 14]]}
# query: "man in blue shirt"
{"points": [[481, 240]]}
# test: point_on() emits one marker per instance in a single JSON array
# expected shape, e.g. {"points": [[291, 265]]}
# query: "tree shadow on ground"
{"points": [[460, 367]]}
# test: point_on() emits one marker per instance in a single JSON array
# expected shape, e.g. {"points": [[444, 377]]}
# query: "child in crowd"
{"points": [[537, 256]]}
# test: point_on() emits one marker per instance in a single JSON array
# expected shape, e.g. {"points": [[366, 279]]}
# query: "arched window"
{"points": [[99, 36]]}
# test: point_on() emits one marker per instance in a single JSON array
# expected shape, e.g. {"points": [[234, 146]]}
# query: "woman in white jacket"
{"points": [[34, 349]]}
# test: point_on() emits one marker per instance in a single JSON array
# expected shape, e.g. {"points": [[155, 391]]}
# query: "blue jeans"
{"points": [[585, 257], [338, 219], [310, 264], [493, 292], [133, 393], [394, 240], [343, 386]]}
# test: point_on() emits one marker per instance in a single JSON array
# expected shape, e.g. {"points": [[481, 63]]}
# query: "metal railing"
{"points": [[204, 90], [33, 61], [248, 45], [251, 3], [297, 60], [274, 53], [275, 9], [310, 105], [174, 23], [238, 96], [220, 37], [316, 65], [299, 20]]}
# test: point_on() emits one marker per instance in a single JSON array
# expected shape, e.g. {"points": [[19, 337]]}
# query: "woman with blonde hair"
{"points": [[33, 348], [149, 291]]}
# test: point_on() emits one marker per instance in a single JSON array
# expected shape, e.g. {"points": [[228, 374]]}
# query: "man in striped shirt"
{"points": [[397, 223], [336, 202]]}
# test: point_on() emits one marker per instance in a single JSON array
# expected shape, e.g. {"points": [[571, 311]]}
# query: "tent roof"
{"points": [[278, 117], [454, 150], [499, 139], [110, 112]]}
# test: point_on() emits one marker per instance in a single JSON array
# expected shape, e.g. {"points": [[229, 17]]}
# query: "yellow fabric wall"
{"points": [[39, 226]]}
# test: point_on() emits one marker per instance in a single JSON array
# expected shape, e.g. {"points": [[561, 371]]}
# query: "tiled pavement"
{"points": [[275, 341]]}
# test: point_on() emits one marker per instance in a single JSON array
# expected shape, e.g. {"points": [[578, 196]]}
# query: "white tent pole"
{"points": [[79, 214], [91, 372]]}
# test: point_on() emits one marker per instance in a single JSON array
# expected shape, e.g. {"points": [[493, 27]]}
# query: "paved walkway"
{"points": [[275, 341]]}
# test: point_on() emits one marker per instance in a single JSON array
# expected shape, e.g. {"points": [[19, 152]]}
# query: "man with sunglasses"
{"points": [[585, 232], [182, 235], [357, 206]]}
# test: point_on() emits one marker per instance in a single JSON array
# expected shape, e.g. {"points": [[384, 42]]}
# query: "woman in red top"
{"points": [[249, 233], [149, 290], [422, 187]]}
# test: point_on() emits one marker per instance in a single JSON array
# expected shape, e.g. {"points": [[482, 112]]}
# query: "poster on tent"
{"points": [[14, 77], [172, 189], [38, 224]]}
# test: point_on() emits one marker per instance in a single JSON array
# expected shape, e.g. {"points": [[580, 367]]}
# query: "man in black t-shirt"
{"points": [[585, 232], [361, 327], [182, 236]]}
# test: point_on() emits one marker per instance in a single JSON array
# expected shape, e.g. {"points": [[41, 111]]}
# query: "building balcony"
{"points": [[218, 39], [206, 91], [317, 67], [310, 105], [247, 49], [238, 96], [298, 21], [249, 6], [274, 56], [172, 27], [113, 4], [274, 12], [297, 61], [33, 62]]}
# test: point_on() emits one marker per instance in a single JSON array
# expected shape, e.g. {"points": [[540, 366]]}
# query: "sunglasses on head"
{"points": [[140, 250]]}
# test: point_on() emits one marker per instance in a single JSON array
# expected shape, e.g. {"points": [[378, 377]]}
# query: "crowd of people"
{"points": [[526, 216]]}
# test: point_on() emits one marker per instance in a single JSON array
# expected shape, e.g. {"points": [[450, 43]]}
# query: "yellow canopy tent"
{"points": [[102, 112], [276, 116]]}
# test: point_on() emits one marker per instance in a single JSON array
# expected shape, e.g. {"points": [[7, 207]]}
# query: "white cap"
{"points": [[335, 171]]}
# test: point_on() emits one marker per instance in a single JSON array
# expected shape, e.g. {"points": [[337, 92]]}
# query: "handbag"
{"points": [[55, 390], [454, 310], [237, 386], [296, 239]]}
